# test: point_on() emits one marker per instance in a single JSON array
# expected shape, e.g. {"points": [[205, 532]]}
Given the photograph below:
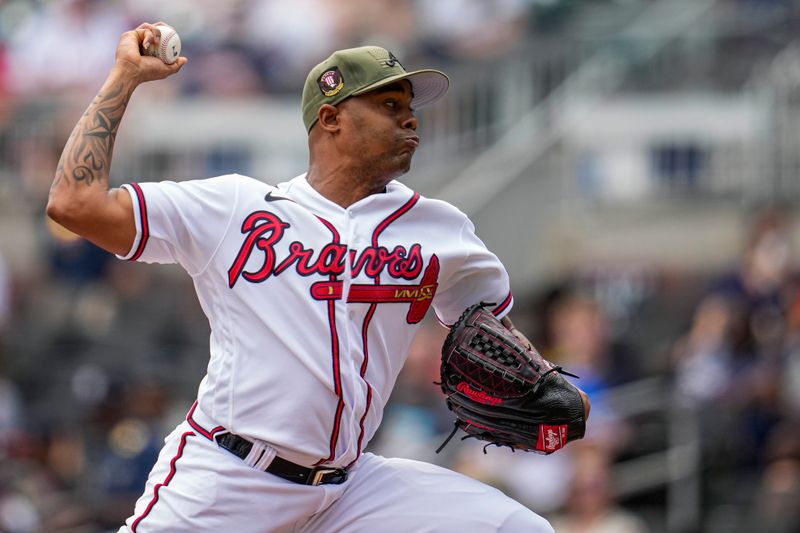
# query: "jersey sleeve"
{"points": [[182, 222], [479, 276]]}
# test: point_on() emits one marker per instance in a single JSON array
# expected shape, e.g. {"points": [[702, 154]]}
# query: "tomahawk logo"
{"points": [[419, 296], [392, 61]]}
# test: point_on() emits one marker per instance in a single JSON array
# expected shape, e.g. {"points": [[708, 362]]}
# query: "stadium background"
{"points": [[633, 162]]}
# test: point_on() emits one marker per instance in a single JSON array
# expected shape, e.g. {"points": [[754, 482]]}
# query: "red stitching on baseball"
{"points": [[162, 54]]}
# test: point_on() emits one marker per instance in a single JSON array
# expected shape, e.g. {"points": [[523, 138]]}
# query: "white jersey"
{"points": [[312, 307]]}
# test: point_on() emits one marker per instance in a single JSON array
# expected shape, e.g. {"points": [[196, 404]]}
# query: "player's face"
{"points": [[381, 129]]}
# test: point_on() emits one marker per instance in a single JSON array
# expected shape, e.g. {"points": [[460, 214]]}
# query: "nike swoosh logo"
{"points": [[270, 198]]}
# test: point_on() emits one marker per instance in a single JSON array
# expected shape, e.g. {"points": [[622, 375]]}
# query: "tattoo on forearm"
{"points": [[87, 155]]}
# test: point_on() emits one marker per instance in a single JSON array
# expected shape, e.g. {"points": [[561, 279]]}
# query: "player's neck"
{"points": [[343, 186]]}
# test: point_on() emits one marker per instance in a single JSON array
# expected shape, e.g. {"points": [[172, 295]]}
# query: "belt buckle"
{"points": [[316, 479]]}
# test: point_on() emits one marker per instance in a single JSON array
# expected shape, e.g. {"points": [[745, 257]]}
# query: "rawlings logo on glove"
{"points": [[503, 391]]}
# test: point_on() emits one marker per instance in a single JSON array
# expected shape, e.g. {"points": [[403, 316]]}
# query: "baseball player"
{"points": [[313, 290]]}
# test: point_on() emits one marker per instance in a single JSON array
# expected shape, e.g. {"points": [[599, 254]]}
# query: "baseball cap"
{"points": [[357, 71]]}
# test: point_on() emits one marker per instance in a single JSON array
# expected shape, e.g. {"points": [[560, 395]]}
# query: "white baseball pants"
{"points": [[196, 486]]}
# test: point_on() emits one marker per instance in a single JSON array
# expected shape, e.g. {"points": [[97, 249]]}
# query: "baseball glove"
{"points": [[503, 391]]}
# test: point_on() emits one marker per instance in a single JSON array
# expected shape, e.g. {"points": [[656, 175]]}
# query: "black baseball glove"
{"points": [[503, 391]]}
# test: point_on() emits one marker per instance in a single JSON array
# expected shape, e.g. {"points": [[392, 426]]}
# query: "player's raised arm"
{"points": [[80, 198]]}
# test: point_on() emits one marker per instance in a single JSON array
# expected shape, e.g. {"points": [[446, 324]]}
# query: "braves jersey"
{"points": [[312, 306]]}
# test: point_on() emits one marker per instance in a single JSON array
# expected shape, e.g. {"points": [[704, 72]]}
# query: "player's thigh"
{"points": [[196, 486], [400, 495]]}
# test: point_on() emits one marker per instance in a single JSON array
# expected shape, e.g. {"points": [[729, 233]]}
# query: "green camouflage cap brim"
{"points": [[360, 70]]}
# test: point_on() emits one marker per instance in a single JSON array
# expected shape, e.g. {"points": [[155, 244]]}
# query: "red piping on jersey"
{"points": [[172, 470], [332, 228], [337, 381], [405, 208], [197, 427], [503, 305], [394, 216], [365, 327], [337, 378], [143, 219], [496, 311]]}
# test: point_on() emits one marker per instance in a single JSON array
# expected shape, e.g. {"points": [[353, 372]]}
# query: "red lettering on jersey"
{"points": [[331, 260], [263, 230], [399, 263]]}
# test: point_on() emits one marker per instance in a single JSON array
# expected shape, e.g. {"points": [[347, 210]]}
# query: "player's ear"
{"points": [[329, 118]]}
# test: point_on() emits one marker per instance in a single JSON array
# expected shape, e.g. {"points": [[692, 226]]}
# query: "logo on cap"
{"points": [[392, 61], [331, 82]]}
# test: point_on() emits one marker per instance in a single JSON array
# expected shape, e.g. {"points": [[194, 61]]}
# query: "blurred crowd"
{"points": [[54, 55], [99, 358], [242, 46]]}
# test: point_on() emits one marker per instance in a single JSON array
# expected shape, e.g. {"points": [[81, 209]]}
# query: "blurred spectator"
{"points": [[132, 443], [5, 81], [5, 294], [733, 356], [17, 513], [366, 22], [705, 358], [75, 260], [472, 28], [41, 490], [790, 379], [227, 71], [591, 503], [11, 412], [66, 45], [776, 508], [292, 36], [761, 287], [580, 341]]}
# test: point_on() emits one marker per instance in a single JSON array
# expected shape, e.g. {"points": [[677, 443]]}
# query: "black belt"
{"points": [[240, 447]]}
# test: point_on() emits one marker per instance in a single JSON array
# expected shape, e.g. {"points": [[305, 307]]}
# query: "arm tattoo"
{"points": [[87, 155]]}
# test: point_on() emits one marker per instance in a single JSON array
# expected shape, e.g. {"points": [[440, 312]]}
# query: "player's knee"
{"points": [[525, 520]]}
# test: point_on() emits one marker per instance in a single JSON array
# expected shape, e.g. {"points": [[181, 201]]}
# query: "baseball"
{"points": [[169, 48]]}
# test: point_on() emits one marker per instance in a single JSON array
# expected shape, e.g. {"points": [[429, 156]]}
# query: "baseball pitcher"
{"points": [[314, 290]]}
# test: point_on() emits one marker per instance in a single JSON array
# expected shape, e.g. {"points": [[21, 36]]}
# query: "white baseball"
{"points": [[169, 48]]}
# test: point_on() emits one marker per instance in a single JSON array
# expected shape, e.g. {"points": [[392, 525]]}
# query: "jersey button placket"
{"points": [[352, 334]]}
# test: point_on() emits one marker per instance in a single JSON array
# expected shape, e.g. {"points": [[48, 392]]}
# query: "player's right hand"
{"points": [[144, 67]]}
